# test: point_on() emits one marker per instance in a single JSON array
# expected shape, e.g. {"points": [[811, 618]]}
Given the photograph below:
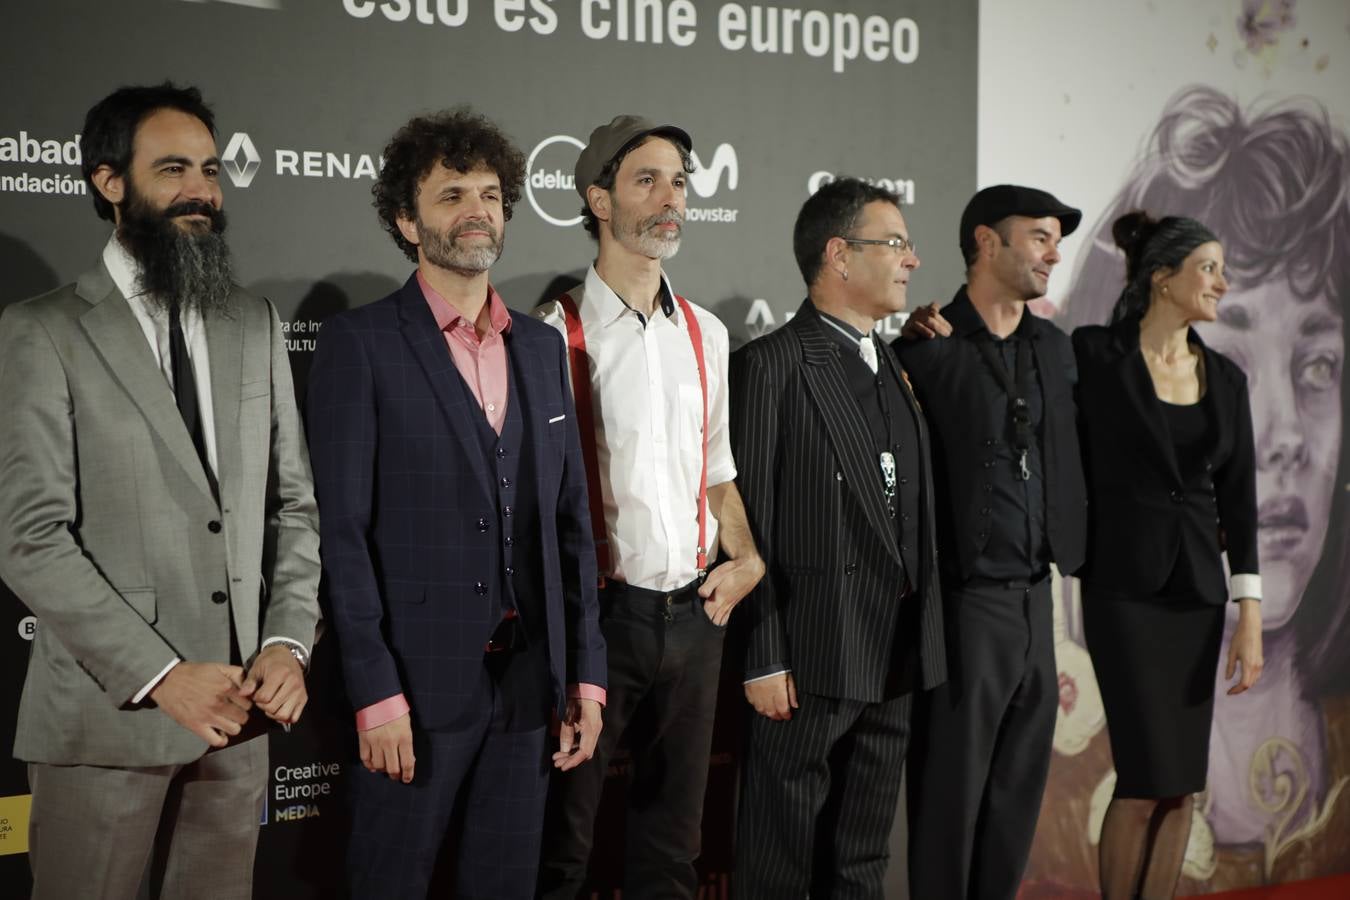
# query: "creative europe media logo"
{"points": [[550, 186]]}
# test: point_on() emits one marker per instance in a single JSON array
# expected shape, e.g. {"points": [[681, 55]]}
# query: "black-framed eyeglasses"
{"points": [[901, 246]]}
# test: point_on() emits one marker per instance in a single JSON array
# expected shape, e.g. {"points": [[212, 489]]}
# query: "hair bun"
{"points": [[1132, 230]]}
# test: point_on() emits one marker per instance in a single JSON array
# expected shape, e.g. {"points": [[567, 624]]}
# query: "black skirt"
{"points": [[1155, 659]]}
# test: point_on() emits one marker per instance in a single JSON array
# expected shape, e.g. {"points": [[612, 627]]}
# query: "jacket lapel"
{"points": [[844, 422], [1143, 397], [526, 367], [119, 340], [428, 347]]}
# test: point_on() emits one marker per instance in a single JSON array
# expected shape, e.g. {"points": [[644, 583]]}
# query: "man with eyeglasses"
{"points": [[996, 386], [847, 624]]}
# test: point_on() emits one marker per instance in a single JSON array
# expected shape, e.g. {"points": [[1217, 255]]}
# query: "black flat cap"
{"points": [[607, 140], [994, 204]]}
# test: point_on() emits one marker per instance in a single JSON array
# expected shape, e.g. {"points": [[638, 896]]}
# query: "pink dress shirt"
{"points": [[481, 361]]}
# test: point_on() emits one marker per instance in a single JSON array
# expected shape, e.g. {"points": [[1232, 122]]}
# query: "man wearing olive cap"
{"points": [[996, 385], [649, 376]]}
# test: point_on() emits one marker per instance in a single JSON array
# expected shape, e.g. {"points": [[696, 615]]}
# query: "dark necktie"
{"points": [[185, 389]]}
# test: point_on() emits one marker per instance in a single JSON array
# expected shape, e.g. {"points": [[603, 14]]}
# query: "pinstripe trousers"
{"points": [[818, 798]]}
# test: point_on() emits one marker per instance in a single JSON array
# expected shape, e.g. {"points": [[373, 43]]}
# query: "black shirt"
{"points": [[1017, 549]]}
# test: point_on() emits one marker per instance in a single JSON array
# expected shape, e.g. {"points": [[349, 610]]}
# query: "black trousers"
{"points": [[982, 745], [818, 799], [665, 656], [491, 772]]}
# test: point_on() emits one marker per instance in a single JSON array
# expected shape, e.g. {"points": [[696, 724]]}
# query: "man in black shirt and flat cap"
{"points": [[996, 385]]}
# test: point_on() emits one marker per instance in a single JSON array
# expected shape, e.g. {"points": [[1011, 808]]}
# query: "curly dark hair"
{"points": [[611, 171], [458, 139]]}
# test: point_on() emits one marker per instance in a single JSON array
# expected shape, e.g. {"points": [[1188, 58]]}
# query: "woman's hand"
{"points": [[1245, 648]]}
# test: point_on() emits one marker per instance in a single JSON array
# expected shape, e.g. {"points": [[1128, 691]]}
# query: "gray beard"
{"points": [[641, 237], [441, 249], [189, 266]]}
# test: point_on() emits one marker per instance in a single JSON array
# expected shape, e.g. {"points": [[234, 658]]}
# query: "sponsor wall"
{"points": [[1236, 112], [780, 97]]}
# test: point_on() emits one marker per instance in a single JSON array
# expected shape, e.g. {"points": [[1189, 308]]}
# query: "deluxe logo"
{"points": [[241, 159], [28, 627], [903, 187], [28, 149], [549, 182], [550, 185]]}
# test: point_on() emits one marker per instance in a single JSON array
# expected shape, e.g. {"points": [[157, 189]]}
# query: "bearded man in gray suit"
{"points": [[157, 514]]}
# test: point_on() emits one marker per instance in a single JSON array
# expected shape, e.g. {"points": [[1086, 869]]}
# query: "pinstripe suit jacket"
{"points": [[407, 503], [828, 608]]}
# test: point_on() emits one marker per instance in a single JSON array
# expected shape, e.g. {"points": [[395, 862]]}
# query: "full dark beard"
{"points": [[189, 264]]}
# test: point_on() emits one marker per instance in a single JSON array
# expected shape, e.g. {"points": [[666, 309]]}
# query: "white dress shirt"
{"points": [[154, 322], [648, 430]]}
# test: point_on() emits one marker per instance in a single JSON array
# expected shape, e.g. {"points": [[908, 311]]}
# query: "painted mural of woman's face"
{"points": [[1292, 351]]}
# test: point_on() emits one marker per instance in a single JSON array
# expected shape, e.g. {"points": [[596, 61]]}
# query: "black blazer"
{"points": [[951, 379], [829, 606], [1145, 517], [405, 494]]}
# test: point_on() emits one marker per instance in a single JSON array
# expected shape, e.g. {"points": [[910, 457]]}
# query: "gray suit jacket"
{"points": [[109, 531]]}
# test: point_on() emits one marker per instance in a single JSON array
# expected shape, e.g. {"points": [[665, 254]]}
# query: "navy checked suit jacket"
{"points": [[402, 484]]}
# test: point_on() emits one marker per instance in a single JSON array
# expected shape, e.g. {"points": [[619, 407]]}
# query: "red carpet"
{"points": [[1320, 889], [1335, 888]]}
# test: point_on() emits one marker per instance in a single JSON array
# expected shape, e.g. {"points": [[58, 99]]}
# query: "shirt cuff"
{"points": [[587, 692], [1246, 587], [145, 691], [381, 713], [765, 675]]}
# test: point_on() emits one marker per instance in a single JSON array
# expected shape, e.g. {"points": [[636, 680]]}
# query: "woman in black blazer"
{"points": [[1167, 442]]}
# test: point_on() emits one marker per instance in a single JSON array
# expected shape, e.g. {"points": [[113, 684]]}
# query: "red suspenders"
{"points": [[581, 381]]}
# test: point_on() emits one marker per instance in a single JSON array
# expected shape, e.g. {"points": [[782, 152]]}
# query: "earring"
{"points": [[845, 274], [1164, 288]]}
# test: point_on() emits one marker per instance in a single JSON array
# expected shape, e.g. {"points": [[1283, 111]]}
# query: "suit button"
{"points": [[218, 597], [989, 464], [1177, 497], [510, 571], [501, 453], [506, 482], [985, 511], [482, 525], [838, 476], [850, 568], [904, 548], [904, 480], [480, 588], [508, 540], [989, 443], [988, 488], [507, 511], [982, 535], [213, 526]]}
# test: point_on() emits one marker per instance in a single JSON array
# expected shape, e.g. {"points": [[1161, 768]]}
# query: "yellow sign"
{"points": [[14, 823]]}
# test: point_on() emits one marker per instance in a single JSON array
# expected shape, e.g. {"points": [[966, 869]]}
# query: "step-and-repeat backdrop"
{"points": [[780, 97]]}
